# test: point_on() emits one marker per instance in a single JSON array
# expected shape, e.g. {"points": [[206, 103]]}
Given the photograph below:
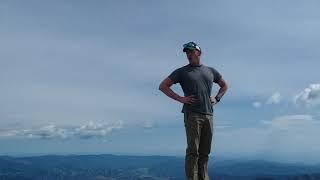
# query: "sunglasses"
{"points": [[191, 45]]}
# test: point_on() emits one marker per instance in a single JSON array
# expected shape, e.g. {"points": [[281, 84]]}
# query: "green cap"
{"points": [[191, 45]]}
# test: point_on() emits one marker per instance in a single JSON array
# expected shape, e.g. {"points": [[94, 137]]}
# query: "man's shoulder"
{"points": [[185, 66], [181, 68]]}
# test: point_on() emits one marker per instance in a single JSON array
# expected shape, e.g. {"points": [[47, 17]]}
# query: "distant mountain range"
{"points": [[108, 167]]}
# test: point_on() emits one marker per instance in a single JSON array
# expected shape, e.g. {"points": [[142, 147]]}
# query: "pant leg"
{"points": [[193, 123], [205, 147]]}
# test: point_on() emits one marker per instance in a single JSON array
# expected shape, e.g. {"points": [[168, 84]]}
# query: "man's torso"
{"points": [[198, 81]]}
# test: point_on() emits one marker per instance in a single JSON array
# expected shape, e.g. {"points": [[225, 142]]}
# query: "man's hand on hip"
{"points": [[187, 100], [213, 100]]}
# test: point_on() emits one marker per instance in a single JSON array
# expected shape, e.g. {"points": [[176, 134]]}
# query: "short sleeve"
{"points": [[175, 76], [216, 75]]}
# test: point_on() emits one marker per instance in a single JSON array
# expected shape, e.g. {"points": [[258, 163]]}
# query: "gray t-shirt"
{"points": [[196, 80]]}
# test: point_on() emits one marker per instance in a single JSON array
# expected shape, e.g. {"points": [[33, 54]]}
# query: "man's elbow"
{"points": [[225, 86], [165, 84], [161, 87]]}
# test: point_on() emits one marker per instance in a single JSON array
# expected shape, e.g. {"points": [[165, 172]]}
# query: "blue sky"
{"points": [[80, 77]]}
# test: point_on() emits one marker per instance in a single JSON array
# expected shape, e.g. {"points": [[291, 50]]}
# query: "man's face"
{"points": [[192, 54]]}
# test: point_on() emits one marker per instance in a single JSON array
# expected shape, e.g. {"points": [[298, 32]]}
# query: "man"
{"points": [[196, 81]]}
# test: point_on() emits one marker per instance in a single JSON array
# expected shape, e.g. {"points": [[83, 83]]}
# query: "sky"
{"points": [[81, 77]]}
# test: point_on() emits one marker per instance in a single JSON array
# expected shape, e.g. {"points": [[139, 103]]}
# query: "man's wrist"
{"points": [[217, 98], [179, 98]]}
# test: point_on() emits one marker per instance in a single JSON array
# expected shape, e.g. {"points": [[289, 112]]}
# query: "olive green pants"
{"points": [[199, 132]]}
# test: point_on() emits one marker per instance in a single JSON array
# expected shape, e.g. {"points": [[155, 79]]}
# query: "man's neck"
{"points": [[196, 63]]}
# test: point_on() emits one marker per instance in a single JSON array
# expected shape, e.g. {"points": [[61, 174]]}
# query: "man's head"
{"points": [[192, 51]]}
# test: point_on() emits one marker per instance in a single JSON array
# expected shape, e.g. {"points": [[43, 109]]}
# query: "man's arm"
{"points": [[165, 88], [223, 88]]}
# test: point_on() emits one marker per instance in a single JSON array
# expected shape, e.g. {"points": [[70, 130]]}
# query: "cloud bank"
{"points": [[86, 131]]}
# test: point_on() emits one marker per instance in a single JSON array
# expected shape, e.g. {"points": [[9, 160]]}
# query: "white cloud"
{"points": [[92, 130], [310, 96], [274, 99], [46, 132], [87, 131], [256, 104]]}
